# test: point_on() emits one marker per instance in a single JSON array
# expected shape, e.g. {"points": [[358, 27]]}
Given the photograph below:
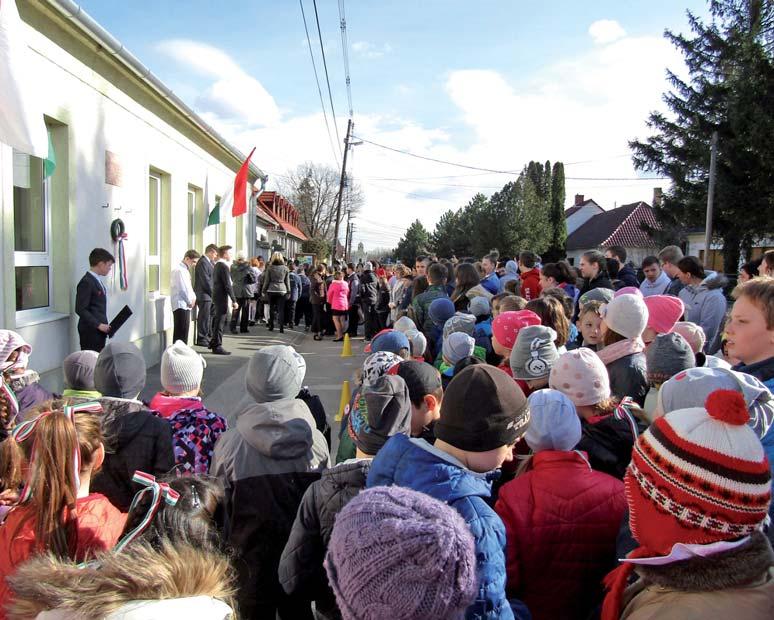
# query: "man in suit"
{"points": [[222, 292], [203, 290], [91, 302]]}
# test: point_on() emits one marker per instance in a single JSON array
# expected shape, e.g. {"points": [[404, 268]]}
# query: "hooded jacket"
{"points": [[415, 464], [368, 289], [530, 284], [99, 526], [276, 279], [194, 431], [736, 584], [265, 464], [140, 583], [706, 306], [242, 279], [301, 571], [561, 519], [511, 274], [608, 441], [135, 439]]}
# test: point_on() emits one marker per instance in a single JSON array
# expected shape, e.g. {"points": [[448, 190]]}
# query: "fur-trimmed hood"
{"points": [[138, 583]]}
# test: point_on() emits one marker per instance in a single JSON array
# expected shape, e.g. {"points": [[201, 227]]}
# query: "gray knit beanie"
{"points": [[667, 355], [78, 369], [399, 554], [534, 353], [275, 373], [120, 371], [460, 322], [182, 369], [457, 346], [479, 306]]}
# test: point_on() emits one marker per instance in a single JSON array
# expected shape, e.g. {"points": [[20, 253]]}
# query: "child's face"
{"points": [[749, 340], [591, 328], [500, 349], [483, 462], [425, 414], [649, 335]]}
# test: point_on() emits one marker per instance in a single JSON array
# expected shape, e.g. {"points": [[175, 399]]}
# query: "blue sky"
{"points": [[490, 83]]}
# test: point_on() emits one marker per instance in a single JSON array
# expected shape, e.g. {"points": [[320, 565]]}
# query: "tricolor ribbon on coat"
{"points": [[160, 492], [622, 413], [11, 401], [26, 429]]}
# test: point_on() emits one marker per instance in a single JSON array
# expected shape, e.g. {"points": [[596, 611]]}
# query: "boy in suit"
{"points": [[91, 302], [222, 292]]}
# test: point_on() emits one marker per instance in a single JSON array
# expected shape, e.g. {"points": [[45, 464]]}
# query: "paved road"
{"points": [[223, 383]]}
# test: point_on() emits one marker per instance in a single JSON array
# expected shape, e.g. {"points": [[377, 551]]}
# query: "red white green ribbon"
{"points": [[160, 491], [10, 399]]}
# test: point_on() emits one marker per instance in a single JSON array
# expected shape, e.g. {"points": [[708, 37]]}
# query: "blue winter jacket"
{"points": [[491, 283], [511, 273], [295, 286], [416, 464]]}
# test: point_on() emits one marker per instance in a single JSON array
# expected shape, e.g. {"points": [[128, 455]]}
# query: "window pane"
{"points": [[29, 211], [153, 216], [153, 278], [191, 220], [31, 288]]}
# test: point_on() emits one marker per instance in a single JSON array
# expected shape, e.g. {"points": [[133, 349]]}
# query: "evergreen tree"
{"points": [[556, 250], [730, 90], [414, 243]]}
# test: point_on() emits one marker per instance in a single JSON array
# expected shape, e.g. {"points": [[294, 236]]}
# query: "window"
{"points": [[191, 218], [32, 225], [154, 233]]}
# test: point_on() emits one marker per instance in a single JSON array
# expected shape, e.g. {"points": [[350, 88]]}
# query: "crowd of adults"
{"points": [[524, 440]]}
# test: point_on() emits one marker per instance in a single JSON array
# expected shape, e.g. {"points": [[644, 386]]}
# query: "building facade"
{"points": [[125, 148]]}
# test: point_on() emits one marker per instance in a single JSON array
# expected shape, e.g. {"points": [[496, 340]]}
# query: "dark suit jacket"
{"points": [[203, 279], [90, 304], [221, 286]]}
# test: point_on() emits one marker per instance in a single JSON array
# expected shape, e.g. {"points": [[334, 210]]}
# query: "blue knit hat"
{"points": [[440, 311], [555, 424]]}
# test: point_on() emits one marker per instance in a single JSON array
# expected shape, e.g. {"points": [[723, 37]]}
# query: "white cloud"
{"points": [[371, 50], [233, 94], [606, 31]]}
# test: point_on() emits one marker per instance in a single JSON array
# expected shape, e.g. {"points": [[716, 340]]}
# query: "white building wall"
{"points": [[580, 217], [97, 117]]}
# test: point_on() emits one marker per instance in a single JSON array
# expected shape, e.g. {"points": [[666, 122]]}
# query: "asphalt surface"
{"points": [[223, 383]]}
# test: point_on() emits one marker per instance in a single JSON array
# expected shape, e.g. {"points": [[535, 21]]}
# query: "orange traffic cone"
{"points": [[344, 401]]}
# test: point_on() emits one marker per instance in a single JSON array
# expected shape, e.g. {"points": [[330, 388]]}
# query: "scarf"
{"points": [[620, 349]]}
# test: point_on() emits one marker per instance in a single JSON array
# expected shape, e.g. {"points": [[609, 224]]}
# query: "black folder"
{"points": [[120, 319]]}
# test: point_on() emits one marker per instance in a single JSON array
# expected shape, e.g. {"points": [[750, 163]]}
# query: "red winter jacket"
{"points": [[99, 526], [530, 284], [561, 521]]}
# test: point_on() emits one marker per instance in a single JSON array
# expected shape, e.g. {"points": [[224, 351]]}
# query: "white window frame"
{"points": [[154, 259], [191, 206], [37, 259]]}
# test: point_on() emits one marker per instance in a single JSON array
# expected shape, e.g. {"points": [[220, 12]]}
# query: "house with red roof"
{"points": [[580, 213], [278, 225]]}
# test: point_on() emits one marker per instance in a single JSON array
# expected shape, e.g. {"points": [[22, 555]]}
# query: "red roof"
{"points": [[273, 206], [289, 228], [619, 226], [630, 233]]}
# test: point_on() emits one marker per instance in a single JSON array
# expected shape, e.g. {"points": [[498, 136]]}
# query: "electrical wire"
{"points": [[345, 52], [327, 80], [317, 80]]}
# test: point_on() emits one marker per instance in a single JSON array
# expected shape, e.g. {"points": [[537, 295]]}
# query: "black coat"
{"points": [[627, 276], [90, 303], [203, 279], [221, 287], [369, 289], [628, 377], [601, 281], [135, 440], [608, 444], [301, 571]]}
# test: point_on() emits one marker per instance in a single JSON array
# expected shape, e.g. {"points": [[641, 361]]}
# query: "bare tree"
{"points": [[313, 189]]}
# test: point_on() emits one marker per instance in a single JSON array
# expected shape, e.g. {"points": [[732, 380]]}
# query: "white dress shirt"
{"points": [[182, 296]]}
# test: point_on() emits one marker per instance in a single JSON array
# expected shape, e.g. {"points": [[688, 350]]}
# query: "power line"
{"points": [[345, 51], [327, 80], [317, 80]]}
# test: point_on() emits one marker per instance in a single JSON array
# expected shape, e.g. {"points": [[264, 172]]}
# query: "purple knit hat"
{"points": [[399, 554]]}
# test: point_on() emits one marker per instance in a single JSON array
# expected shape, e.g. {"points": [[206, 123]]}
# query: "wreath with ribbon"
{"points": [[118, 234]]}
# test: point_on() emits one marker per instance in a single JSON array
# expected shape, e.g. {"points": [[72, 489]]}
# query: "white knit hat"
{"points": [[626, 315], [182, 369]]}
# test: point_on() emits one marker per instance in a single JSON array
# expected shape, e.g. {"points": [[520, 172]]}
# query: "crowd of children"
{"points": [[576, 452]]}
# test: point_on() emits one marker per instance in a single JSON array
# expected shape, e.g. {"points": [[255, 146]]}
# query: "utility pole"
{"points": [[346, 236], [349, 247], [710, 199], [341, 187]]}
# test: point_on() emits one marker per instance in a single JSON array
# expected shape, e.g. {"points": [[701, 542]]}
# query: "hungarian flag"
{"points": [[235, 199]]}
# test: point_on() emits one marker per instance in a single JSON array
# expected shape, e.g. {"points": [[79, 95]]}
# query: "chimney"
{"points": [[579, 200], [657, 196]]}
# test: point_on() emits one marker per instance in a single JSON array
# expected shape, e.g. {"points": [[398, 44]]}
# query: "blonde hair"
{"points": [[759, 291], [277, 259]]}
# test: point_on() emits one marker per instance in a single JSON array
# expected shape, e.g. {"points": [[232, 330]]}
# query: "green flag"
{"points": [[214, 217], [49, 164]]}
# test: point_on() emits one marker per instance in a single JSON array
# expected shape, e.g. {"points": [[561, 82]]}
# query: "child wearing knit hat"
{"points": [[195, 430], [384, 410], [609, 426], [78, 369], [698, 489], [456, 346], [533, 356], [422, 548], [561, 517], [439, 311], [664, 311], [505, 329], [418, 343], [623, 321], [666, 356], [483, 414]]}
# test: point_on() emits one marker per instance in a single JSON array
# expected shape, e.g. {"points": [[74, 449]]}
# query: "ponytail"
{"points": [[55, 444]]}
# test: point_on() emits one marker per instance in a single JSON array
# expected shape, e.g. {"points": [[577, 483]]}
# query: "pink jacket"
{"points": [[338, 295]]}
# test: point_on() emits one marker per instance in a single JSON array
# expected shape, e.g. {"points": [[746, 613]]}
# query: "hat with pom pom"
{"points": [[698, 476]]}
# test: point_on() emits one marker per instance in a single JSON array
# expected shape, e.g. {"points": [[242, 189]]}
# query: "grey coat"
{"points": [[706, 306], [241, 276], [276, 279]]}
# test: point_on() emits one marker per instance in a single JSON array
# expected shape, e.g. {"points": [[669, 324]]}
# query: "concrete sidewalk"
{"points": [[223, 383]]}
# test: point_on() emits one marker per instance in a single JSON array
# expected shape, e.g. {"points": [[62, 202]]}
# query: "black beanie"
{"points": [[483, 409]]}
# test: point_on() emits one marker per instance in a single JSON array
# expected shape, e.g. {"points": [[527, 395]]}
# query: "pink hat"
{"points": [[582, 376], [692, 333], [663, 312], [628, 290], [507, 325]]}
